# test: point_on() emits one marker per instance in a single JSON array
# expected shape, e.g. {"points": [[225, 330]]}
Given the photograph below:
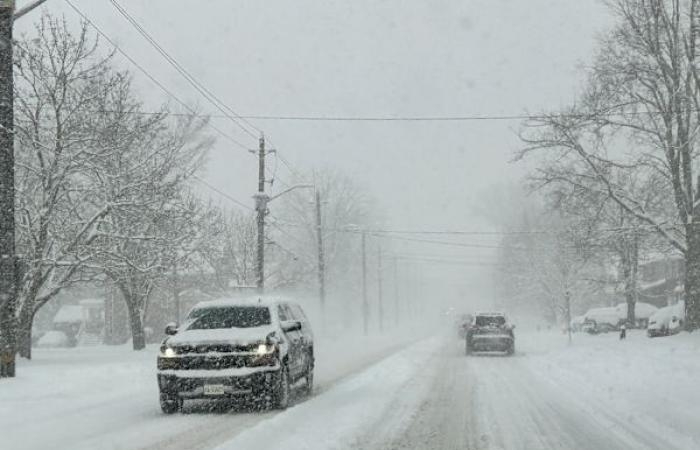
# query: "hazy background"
{"points": [[370, 58]]}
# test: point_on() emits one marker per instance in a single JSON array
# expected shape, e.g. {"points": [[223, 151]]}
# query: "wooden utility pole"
{"points": [[321, 260], [567, 296], [8, 258], [396, 291], [8, 266], [365, 303], [176, 292], [261, 209], [380, 300]]}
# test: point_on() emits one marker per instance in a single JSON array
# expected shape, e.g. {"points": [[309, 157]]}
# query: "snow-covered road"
{"points": [[600, 393], [548, 396]]}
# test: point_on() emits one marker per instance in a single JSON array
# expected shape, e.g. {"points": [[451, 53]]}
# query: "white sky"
{"points": [[372, 58]]}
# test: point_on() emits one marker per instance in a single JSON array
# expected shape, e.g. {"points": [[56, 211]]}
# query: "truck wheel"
{"points": [[468, 349], [309, 384], [171, 405], [511, 350], [282, 390]]}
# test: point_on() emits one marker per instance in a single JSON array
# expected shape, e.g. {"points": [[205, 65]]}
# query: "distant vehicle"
{"points": [[463, 324], [667, 321], [490, 332], [233, 348]]}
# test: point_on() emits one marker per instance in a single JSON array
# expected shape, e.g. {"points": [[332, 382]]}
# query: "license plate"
{"points": [[213, 389]]}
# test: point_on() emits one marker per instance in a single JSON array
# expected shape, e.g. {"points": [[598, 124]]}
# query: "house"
{"points": [[82, 323], [661, 280]]}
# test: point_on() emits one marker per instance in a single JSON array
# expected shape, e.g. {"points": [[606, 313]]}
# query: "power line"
{"points": [[459, 118], [206, 93], [150, 77], [383, 231], [222, 193]]}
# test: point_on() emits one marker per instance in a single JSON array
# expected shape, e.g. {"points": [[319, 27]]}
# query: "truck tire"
{"points": [[282, 391]]}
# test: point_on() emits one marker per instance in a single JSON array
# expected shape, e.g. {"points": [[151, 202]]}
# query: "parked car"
{"points": [[642, 313], [604, 320], [490, 332], [233, 348], [577, 323], [53, 339], [667, 320]]}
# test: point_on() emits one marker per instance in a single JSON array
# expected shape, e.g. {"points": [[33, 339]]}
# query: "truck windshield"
{"points": [[231, 317], [490, 321]]}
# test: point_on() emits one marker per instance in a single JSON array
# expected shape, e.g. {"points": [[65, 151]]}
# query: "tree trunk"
{"points": [[8, 343], [24, 332], [692, 277], [138, 335], [630, 265]]}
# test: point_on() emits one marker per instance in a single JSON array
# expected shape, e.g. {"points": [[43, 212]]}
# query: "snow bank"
{"points": [[651, 384], [345, 412]]}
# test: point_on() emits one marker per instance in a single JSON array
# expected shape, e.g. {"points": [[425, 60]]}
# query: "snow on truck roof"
{"points": [[489, 314], [257, 300]]}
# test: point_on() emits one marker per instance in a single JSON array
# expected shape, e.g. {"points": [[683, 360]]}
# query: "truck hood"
{"points": [[235, 336]]}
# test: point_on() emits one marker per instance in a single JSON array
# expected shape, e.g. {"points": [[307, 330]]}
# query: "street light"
{"points": [[261, 202]]}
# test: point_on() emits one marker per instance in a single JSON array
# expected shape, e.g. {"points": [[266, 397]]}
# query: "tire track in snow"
{"points": [[493, 402]]}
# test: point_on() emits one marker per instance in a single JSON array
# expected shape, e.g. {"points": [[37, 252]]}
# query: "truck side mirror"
{"points": [[171, 329]]}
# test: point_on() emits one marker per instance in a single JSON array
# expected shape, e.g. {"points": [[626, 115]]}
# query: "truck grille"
{"points": [[209, 362], [214, 348]]}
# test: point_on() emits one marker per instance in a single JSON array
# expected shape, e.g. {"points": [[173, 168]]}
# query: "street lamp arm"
{"points": [[22, 11], [298, 186]]}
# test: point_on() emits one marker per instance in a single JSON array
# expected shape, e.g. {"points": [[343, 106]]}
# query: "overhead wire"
{"points": [[222, 193], [203, 90], [149, 75]]}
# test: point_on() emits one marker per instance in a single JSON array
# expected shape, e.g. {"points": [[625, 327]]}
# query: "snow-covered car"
{"points": [[642, 313], [577, 323], [53, 339], [490, 332], [233, 348], [667, 320], [604, 319]]}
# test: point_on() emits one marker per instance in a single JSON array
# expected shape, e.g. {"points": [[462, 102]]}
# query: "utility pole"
{"points": [[8, 259], [176, 293], [365, 303], [396, 291], [261, 209], [8, 266], [567, 296], [321, 261], [380, 300]]}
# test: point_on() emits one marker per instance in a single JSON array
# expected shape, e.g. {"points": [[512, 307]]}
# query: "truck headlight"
{"points": [[265, 355], [167, 352], [264, 349]]}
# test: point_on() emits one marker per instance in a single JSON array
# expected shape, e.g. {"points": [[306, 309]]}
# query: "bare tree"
{"points": [[60, 78], [639, 118], [142, 173]]}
